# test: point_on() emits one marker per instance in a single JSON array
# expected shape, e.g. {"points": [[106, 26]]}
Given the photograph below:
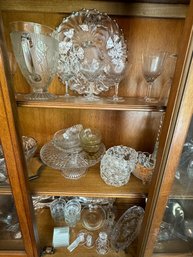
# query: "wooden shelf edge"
{"points": [[51, 182], [130, 104], [5, 190], [13, 253], [112, 8]]}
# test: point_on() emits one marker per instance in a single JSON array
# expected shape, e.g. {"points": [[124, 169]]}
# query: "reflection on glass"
{"points": [[10, 236], [176, 230]]}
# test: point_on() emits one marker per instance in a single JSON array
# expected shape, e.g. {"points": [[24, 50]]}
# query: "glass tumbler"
{"points": [[57, 210], [72, 212]]}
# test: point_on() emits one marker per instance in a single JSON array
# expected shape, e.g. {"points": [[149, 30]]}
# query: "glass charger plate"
{"points": [[127, 228], [58, 159], [91, 50]]}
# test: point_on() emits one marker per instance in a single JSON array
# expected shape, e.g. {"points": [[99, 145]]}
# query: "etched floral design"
{"points": [[91, 48]]}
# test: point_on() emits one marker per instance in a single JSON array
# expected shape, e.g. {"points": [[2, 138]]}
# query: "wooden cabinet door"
{"points": [[16, 169]]}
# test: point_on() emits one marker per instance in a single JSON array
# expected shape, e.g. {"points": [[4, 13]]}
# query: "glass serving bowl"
{"points": [[93, 217], [117, 165]]}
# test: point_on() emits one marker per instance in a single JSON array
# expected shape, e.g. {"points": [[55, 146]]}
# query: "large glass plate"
{"points": [[127, 228], [92, 52]]}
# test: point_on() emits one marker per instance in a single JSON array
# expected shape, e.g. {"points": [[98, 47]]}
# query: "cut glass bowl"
{"points": [[117, 165]]}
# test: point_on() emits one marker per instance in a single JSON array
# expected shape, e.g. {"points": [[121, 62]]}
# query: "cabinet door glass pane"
{"points": [[176, 230], [10, 234]]}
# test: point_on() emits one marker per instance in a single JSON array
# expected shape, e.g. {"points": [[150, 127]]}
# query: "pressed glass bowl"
{"points": [[117, 165], [93, 217]]}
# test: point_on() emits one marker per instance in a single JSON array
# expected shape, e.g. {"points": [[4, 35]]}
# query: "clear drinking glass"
{"points": [[152, 66], [36, 50], [57, 210], [72, 212]]}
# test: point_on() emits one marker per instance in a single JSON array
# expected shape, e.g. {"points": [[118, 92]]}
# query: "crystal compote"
{"points": [[36, 50], [152, 66]]}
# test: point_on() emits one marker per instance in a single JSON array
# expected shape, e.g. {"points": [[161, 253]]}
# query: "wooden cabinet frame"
{"points": [[179, 111]]}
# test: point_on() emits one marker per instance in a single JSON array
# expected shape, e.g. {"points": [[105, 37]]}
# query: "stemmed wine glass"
{"points": [[116, 79], [152, 66], [116, 98]]}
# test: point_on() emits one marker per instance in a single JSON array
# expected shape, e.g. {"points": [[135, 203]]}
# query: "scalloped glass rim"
{"points": [[131, 219], [92, 51], [58, 159]]}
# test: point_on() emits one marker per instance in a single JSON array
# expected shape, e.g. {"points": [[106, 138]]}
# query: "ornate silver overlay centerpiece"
{"points": [[91, 50]]}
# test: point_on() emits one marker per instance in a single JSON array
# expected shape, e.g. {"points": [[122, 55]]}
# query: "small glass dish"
{"points": [[68, 139], [93, 217], [144, 167], [90, 136], [90, 140]]}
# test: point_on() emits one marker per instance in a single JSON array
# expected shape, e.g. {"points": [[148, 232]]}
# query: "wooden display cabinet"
{"points": [[163, 25]]}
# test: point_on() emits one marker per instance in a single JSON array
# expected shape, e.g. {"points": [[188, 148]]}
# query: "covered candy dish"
{"points": [[117, 165], [64, 152]]}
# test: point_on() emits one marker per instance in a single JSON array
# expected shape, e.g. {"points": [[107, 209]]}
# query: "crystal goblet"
{"points": [[36, 50], [116, 78], [152, 66]]}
